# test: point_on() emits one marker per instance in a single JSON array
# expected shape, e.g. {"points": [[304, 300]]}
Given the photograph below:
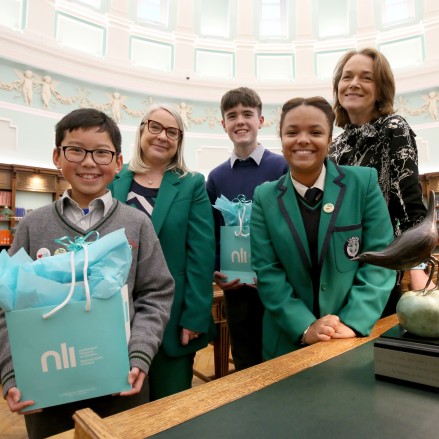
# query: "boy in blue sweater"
{"points": [[249, 166]]}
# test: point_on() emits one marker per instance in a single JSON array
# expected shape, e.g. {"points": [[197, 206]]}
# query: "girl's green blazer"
{"points": [[354, 218]]}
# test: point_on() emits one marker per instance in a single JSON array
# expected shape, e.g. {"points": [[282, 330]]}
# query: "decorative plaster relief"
{"points": [[119, 105]]}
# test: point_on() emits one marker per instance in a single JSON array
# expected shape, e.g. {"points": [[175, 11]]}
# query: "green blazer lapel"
{"points": [[332, 199], [290, 210], [122, 183], [165, 198]]}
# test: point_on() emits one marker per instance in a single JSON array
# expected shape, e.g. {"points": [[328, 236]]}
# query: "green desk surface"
{"points": [[338, 399]]}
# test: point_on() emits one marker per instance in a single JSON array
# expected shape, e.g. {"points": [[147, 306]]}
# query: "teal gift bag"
{"points": [[72, 349], [235, 239], [73, 354], [235, 254]]}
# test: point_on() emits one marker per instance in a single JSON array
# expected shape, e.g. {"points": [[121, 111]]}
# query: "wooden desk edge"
{"points": [[165, 413]]}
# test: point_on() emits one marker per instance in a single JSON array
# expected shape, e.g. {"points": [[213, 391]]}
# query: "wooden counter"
{"points": [[149, 419]]}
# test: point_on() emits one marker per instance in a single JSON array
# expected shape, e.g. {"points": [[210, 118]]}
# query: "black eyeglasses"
{"points": [[156, 128], [76, 154]]}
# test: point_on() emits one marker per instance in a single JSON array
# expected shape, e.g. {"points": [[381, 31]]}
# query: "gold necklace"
{"points": [[149, 181]]}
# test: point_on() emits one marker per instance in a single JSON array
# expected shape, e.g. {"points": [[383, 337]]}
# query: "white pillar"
{"points": [[431, 30], [41, 18], [184, 47], [304, 42], [245, 42], [366, 33], [118, 31]]}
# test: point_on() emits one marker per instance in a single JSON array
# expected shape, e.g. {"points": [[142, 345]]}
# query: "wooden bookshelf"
{"points": [[15, 178]]}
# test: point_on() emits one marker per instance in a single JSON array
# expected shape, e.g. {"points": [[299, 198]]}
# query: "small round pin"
{"points": [[43, 253], [328, 208]]}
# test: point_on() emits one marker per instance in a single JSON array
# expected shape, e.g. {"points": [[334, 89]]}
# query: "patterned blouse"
{"points": [[388, 145]]}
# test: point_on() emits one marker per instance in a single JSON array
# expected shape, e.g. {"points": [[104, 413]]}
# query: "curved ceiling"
{"points": [[203, 48]]}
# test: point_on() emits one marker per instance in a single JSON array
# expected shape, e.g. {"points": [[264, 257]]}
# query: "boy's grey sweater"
{"points": [[150, 285]]}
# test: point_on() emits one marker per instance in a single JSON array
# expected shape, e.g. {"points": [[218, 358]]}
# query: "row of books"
{"points": [[5, 198], [20, 212], [6, 213], [5, 237]]}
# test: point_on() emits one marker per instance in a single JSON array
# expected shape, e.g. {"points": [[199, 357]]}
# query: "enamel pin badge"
{"points": [[43, 253], [328, 208], [352, 247]]}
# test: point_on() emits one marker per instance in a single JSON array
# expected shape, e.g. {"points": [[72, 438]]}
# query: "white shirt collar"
{"points": [[256, 155], [106, 199], [319, 183]]}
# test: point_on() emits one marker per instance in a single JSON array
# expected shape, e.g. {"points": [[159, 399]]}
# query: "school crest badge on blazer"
{"points": [[352, 247]]}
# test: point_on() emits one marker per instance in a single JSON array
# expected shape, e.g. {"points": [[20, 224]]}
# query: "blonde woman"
{"points": [[158, 182]]}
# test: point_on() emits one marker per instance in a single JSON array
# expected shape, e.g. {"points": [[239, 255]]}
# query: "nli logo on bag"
{"points": [[241, 256], [63, 358], [67, 357], [235, 255]]}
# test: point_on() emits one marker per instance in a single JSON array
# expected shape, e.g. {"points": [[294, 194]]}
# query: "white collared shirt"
{"points": [[98, 208], [319, 183], [256, 155]]}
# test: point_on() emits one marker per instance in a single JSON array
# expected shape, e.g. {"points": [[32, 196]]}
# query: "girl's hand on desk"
{"points": [[344, 331], [322, 329]]}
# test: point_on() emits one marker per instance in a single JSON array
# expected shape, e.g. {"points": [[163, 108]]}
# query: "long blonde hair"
{"points": [[177, 164]]}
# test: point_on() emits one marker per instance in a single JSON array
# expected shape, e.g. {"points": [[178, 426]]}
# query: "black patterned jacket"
{"points": [[388, 145]]}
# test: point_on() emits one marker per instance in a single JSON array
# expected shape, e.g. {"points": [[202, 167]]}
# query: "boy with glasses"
{"points": [[88, 151]]}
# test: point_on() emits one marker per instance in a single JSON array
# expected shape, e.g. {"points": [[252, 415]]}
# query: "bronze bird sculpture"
{"points": [[411, 248]]}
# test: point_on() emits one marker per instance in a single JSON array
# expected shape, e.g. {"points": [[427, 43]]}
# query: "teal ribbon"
{"points": [[240, 202], [244, 222], [78, 242]]}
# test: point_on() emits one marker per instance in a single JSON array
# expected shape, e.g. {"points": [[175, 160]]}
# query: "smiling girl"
{"points": [[302, 248]]}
